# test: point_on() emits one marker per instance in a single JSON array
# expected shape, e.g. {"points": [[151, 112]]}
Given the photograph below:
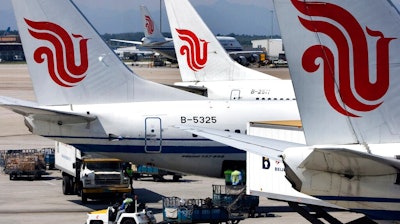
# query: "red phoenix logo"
{"points": [[149, 25], [195, 50], [362, 95], [61, 63]]}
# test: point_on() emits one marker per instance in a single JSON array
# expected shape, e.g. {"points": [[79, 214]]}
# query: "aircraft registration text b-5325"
{"points": [[198, 119]]}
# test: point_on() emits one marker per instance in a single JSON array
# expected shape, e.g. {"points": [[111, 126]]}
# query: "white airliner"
{"points": [[155, 40], [211, 69], [133, 53], [344, 65], [88, 98]]}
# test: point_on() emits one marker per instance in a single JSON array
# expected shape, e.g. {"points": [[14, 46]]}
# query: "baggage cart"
{"points": [[178, 210], [235, 200], [28, 164]]}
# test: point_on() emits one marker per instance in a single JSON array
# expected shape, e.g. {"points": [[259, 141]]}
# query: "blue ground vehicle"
{"points": [[49, 160], [143, 171]]}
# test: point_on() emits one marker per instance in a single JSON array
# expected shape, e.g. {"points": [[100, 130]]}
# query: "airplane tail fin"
{"points": [[343, 62], [200, 56], [150, 28], [69, 63]]}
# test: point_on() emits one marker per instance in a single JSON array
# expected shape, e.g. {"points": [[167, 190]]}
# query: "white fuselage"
{"points": [[143, 132], [265, 90]]}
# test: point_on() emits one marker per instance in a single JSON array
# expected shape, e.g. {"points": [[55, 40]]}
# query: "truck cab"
{"points": [[90, 177], [100, 176]]}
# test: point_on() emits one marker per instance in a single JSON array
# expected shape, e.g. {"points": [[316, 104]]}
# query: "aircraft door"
{"points": [[235, 94], [153, 136]]}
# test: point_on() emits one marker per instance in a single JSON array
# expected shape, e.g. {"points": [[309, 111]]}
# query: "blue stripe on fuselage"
{"points": [[140, 148], [165, 149]]}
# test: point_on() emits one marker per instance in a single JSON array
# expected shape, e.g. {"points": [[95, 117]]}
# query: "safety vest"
{"points": [[236, 177], [128, 201], [129, 172], [227, 174]]}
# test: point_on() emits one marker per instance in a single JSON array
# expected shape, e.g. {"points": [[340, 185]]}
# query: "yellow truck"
{"points": [[94, 178]]}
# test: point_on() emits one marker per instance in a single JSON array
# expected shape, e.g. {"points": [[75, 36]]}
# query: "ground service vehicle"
{"points": [[89, 177], [28, 163], [143, 171], [108, 215], [49, 160]]}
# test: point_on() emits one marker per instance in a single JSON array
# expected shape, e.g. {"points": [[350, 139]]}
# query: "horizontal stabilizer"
{"points": [[199, 90], [30, 109], [127, 41], [156, 43], [261, 146], [350, 162]]}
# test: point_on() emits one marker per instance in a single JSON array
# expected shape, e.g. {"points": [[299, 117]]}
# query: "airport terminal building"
{"points": [[11, 48]]}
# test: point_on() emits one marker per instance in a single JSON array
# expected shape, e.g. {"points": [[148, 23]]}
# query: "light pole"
{"points": [[160, 17], [272, 30], [272, 23]]}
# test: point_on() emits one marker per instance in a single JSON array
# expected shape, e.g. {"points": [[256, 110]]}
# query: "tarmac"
{"points": [[42, 201]]}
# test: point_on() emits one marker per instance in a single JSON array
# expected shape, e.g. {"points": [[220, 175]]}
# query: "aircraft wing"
{"points": [[127, 41], [156, 43], [350, 162], [30, 109], [262, 146]]}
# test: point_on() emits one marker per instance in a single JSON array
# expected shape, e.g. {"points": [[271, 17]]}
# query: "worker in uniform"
{"points": [[227, 174], [129, 174], [126, 201]]}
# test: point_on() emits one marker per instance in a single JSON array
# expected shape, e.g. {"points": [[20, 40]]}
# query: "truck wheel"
{"points": [[252, 212], [83, 198], [37, 176], [158, 178], [95, 222], [128, 221], [135, 176], [176, 178], [66, 185]]}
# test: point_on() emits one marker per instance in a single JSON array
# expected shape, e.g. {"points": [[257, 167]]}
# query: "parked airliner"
{"points": [[88, 98], [343, 59], [155, 40], [211, 71]]}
